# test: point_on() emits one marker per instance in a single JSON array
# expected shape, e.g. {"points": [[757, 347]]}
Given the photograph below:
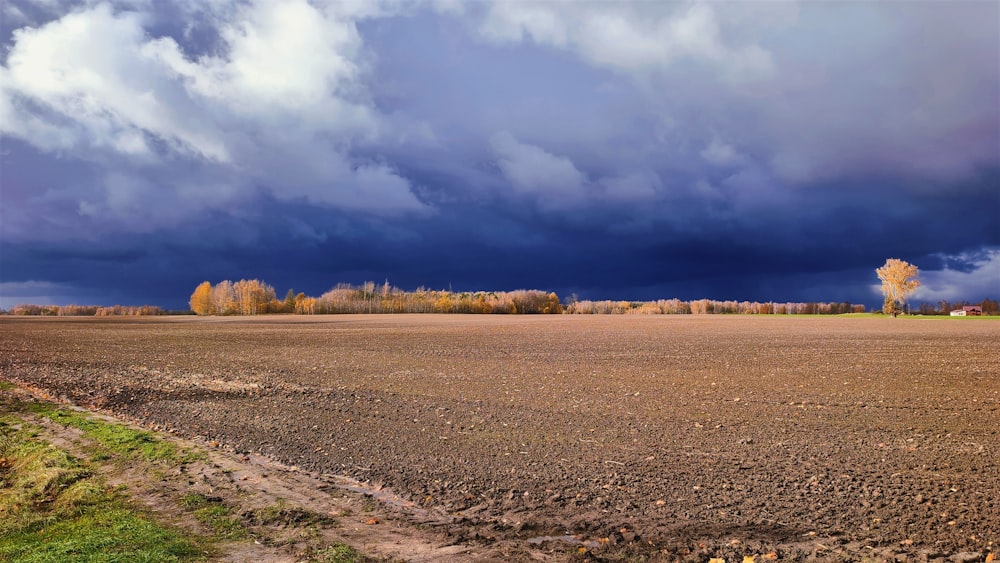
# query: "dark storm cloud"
{"points": [[631, 150]]}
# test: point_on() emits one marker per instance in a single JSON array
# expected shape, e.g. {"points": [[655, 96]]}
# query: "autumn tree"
{"points": [[224, 298], [253, 297], [201, 299], [552, 306], [899, 280], [305, 305]]}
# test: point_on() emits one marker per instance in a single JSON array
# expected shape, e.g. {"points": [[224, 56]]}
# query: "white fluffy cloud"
{"points": [[278, 106], [633, 37], [283, 61], [82, 82]]}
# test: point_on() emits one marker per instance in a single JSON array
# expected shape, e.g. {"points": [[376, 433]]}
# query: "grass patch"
{"points": [[55, 509], [115, 438], [215, 515], [6, 385], [340, 553]]}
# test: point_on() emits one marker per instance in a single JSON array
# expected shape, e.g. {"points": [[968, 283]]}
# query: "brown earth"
{"points": [[668, 438]]}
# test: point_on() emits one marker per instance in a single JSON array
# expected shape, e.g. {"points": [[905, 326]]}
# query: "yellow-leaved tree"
{"points": [[899, 280], [201, 299]]}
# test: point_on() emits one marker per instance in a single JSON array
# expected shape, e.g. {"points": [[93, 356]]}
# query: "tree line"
{"points": [[708, 307], [86, 310], [251, 297]]}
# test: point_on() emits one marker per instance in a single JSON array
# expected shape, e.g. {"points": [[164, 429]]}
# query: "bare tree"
{"points": [[899, 280]]}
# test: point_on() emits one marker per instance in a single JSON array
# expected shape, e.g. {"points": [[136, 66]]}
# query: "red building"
{"points": [[968, 311]]}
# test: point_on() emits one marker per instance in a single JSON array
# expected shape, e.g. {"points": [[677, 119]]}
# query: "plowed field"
{"points": [[673, 437]]}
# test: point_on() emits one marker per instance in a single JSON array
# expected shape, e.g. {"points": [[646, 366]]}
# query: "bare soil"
{"points": [[557, 437]]}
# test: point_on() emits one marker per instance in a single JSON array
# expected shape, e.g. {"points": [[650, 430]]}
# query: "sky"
{"points": [[613, 150]]}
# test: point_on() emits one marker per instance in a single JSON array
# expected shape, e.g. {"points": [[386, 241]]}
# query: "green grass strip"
{"points": [[341, 553], [105, 533], [216, 516], [54, 509], [117, 438]]}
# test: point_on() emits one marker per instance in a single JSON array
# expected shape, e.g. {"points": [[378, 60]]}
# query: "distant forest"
{"points": [[254, 297], [86, 310]]}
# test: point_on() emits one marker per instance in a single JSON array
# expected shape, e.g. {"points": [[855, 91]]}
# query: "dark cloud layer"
{"points": [[775, 151]]}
